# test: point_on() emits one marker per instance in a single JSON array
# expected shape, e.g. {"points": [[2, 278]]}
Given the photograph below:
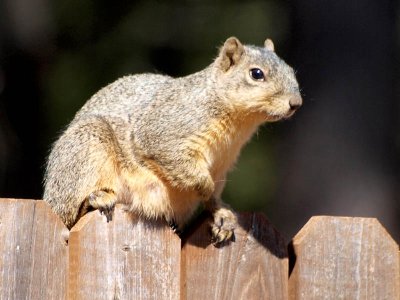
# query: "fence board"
{"points": [[330, 258], [344, 258], [124, 259], [255, 266], [34, 254]]}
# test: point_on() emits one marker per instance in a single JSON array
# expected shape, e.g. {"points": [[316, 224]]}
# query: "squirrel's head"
{"points": [[255, 79]]}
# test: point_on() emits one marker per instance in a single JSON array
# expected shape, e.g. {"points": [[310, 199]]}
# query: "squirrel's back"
{"points": [[134, 91]]}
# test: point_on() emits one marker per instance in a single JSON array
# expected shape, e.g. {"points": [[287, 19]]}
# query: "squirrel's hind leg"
{"points": [[91, 168]]}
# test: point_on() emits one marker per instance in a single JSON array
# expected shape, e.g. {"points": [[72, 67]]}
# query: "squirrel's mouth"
{"points": [[289, 114], [280, 117], [274, 118], [282, 109]]}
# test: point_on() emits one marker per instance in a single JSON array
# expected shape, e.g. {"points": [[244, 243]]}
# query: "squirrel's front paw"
{"points": [[222, 227], [104, 201]]}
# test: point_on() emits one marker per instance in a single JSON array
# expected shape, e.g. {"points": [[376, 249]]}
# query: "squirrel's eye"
{"points": [[257, 74]]}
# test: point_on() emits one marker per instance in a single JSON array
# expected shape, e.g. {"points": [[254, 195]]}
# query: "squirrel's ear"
{"points": [[269, 45], [230, 53]]}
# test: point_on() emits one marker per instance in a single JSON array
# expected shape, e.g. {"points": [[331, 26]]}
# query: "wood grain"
{"points": [[34, 253], [126, 258], [344, 258], [255, 266]]}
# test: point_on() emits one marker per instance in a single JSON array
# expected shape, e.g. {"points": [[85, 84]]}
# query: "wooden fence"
{"points": [[127, 258]]}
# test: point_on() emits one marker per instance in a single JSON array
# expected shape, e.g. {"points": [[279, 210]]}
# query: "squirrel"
{"points": [[162, 146]]}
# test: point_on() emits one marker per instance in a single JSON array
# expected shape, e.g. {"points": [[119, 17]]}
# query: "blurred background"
{"points": [[339, 155]]}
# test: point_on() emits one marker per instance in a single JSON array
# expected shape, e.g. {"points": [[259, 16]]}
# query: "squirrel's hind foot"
{"points": [[223, 225], [104, 200]]}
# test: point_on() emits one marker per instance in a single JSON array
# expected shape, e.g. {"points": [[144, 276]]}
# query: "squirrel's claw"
{"points": [[107, 211], [104, 201], [175, 227], [222, 228]]}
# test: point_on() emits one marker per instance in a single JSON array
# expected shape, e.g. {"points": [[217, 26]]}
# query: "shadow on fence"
{"points": [[330, 258]]}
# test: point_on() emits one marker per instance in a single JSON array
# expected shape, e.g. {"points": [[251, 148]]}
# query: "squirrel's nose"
{"points": [[295, 102]]}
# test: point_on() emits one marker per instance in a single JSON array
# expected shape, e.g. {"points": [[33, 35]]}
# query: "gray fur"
{"points": [[146, 119]]}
